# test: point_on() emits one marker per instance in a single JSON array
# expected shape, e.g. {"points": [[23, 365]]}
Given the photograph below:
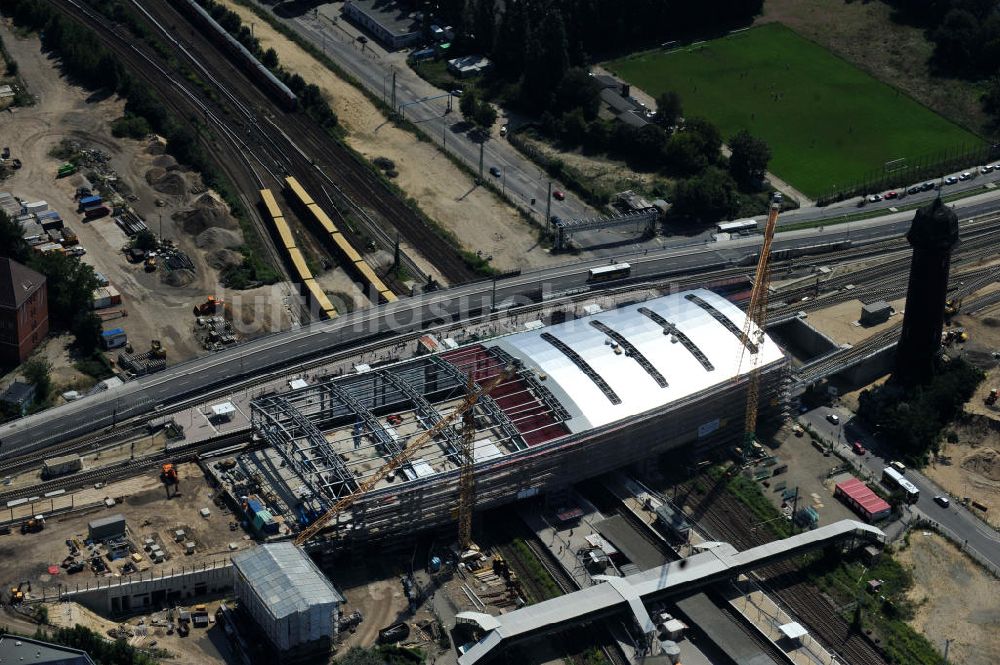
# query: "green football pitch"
{"points": [[828, 123]]}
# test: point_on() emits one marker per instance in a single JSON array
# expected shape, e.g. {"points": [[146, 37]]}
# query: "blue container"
{"points": [[435, 564], [254, 506], [89, 201]]}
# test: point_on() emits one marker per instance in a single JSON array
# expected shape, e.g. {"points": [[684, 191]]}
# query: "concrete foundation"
{"points": [[140, 593]]}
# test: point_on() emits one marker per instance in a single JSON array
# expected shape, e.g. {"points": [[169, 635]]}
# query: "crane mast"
{"points": [[753, 325], [467, 479], [402, 458]]}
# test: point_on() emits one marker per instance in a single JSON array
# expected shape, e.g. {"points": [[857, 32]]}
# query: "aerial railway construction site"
{"points": [[588, 396]]}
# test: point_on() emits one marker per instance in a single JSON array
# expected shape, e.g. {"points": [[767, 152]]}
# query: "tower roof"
{"points": [[17, 283], [935, 226]]}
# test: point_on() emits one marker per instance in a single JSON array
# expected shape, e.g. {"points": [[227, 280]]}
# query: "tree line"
{"points": [[966, 38], [540, 51]]}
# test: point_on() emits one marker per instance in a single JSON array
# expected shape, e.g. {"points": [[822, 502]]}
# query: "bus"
{"points": [[895, 480], [607, 273], [739, 226]]}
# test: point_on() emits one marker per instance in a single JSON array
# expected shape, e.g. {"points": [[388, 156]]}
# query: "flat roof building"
{"points": [[289, 598], [391, 23], [14, 649]]}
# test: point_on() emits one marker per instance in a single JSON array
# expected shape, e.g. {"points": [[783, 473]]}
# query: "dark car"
{"points": [[558, 195], [495, 171]]}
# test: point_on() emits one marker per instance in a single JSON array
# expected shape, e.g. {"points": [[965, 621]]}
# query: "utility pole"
{"points": [[395, 256], [394, 90], [548, 206], [944, 659], [482, 146]]}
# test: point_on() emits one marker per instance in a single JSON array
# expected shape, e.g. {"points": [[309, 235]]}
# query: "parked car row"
{"points": [[930, 185]]}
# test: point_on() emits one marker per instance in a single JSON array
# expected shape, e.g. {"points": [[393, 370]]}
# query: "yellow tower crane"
{"points": [[467, 479], [753, 325], [402, 458]]}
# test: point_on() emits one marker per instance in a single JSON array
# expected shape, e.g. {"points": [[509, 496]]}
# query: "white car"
{"points": [[833, 418], [942, 501], [950, 180], [965, 176], [986, 169], [874, 198]]}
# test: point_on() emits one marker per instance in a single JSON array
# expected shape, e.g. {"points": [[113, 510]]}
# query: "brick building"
{"points": [[24, 311]]}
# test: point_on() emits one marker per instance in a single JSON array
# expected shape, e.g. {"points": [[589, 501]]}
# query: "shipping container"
{"points": [[862, 499], [60, 466], [96, 212], [34, 207], [65, 170], [106, 527], [89, 201], [106, 296], [112, 339]]}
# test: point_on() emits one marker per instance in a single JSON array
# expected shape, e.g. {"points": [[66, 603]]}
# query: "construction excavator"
{"points": [[466, 500], [18, 593], [168, 475]]}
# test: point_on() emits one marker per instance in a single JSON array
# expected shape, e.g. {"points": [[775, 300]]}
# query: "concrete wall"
{"points": [[805, 342], [158, 588]]}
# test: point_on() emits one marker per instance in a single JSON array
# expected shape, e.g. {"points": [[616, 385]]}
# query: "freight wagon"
{"points": [[60, 466], [256, 71]]}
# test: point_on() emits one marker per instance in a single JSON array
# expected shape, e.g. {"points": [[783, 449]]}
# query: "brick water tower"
{"points": [[933, 234]]}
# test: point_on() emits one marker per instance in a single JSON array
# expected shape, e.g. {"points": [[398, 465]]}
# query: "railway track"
{"points": [[322, 163], [232, 154], [729, 520], [127, 468]]}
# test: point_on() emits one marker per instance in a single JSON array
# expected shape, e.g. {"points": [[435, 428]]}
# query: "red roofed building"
{"points": [[862, 500], [24, 311]]}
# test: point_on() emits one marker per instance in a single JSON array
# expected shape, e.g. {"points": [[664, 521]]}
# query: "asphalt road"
{"points": [[963, 525], [425, 105], [282, 350]]}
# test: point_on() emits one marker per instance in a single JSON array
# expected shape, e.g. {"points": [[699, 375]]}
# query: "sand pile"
{"points": [[206, 213], [218, 238], [221, 259], [178, 278], [166, 182], [165, 162], [985, 462]]}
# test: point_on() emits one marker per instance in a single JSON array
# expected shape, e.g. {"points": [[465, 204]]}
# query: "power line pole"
{"points": [[548, 206], [394, 90], [482, 146]]}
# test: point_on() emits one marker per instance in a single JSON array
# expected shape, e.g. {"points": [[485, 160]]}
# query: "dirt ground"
{"points": [[147, 512], [477, 217], [807, 470], [840, 322], [955, 600], [864, 34], [200, 646], [609, 174], [156, 305]]}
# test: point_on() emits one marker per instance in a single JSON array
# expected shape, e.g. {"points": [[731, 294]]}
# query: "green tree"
{"points": [[484, 24], [485, 115], [668, 109], [748, 159], [71, 285], [145, 240], [270, 58], [12, 244], [709, 197], [36, 370], [991, 99], [578, 90], [468, 104]]}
